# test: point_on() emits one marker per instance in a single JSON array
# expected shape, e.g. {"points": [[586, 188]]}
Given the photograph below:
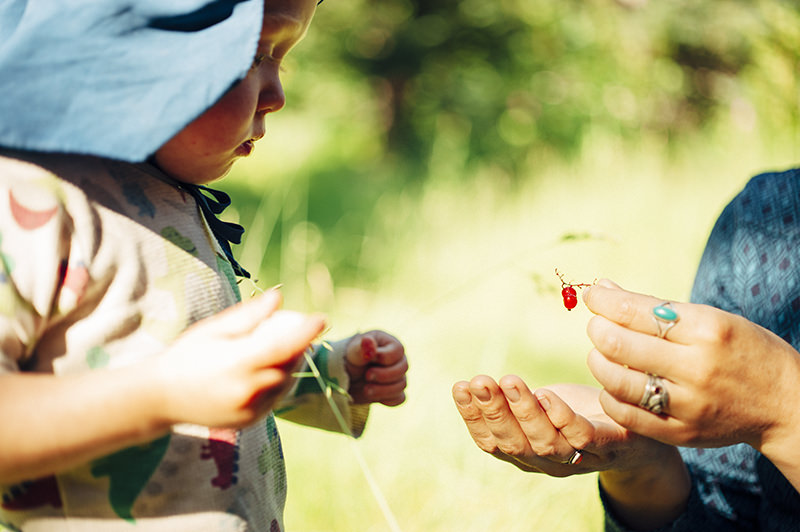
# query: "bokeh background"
{"points": [[436, 162]]}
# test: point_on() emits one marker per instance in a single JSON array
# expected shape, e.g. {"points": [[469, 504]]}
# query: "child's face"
{"points": [[206, 149]]}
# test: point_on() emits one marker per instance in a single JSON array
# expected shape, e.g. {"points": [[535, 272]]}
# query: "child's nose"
{"points": [[271, 98]]}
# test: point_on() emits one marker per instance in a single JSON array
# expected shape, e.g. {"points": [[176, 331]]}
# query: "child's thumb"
{"points": [[362, 350]]}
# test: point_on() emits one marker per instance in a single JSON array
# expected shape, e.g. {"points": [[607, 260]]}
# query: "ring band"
{"points": [[655, 397], [574, 459], [665, 317]]}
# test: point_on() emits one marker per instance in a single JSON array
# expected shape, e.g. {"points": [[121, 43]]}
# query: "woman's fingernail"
{"points": [[462, 397], [511, 393], [482, 394], [544, 402]]}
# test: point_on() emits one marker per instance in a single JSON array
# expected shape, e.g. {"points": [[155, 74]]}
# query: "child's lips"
{"points": [[245, 148]]}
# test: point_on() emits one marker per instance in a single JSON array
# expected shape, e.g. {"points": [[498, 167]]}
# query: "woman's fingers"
{"points": [[635, 312], [631, 386], [576, 430], [640, 421], [491, 402], [473, 417], [542, 435], [633, 349]]}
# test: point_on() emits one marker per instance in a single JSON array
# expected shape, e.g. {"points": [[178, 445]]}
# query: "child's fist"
{"points": [[377, 365]]}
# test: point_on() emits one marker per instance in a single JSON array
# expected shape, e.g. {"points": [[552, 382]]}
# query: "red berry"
{"points": [[570, 301], [568, 291]]}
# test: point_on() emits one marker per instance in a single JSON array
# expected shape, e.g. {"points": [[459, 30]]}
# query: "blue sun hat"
{"points": [[119, 78]]}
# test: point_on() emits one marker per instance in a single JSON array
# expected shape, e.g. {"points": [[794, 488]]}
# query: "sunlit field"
{"points": [[439, 209], [466, 280]]}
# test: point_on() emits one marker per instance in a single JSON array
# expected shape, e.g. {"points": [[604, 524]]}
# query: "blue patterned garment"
{"points": [[751, 267]]}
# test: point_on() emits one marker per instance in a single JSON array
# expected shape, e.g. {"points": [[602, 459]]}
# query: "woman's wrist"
{"points": [[649, 496], [779, 441]]}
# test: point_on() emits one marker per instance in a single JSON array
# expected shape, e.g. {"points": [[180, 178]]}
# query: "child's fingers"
{"points": [[576, 429], [395, 400], [362, 350], [381, 393], [374, 347], [543, 437], [243, 317], [283, 337], [390, 349], [387, 374]]}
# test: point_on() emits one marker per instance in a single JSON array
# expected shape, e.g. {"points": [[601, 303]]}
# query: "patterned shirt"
{"points": [[750, 267], [103, 264]]}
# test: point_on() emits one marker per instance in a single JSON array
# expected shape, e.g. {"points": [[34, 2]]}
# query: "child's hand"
{"points": [[230, 369], [377, 365]]}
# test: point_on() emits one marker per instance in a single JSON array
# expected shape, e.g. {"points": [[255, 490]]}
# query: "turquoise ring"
{"points": [[665, 317]]}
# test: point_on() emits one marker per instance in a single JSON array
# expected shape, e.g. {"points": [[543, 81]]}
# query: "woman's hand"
{"points": [[377, 364], [728, 380], [230, 369], [646, 482], [539, 432]]}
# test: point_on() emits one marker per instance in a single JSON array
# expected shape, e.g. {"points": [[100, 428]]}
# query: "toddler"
{"points": [[136, 391]]}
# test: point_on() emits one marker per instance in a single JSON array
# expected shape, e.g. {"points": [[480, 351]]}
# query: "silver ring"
{"points": [[665, 317], [574, 459], [655, 397]]}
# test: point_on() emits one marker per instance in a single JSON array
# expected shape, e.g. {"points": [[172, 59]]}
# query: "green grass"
{"points": [[465, 278]]}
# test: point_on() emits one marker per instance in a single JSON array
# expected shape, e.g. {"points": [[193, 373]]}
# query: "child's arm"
{"points": [[371, 367], [225, 371]]}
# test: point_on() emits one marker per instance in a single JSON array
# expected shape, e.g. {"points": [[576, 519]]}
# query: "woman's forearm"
{"points": [[651, 497]]}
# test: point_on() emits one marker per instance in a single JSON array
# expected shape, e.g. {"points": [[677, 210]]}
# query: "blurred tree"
{"points": [[390, 93], [519, 76]]}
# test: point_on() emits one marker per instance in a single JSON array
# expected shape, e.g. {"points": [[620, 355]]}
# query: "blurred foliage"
{"points": [[514, 78], [435, 162], [386, 97]]}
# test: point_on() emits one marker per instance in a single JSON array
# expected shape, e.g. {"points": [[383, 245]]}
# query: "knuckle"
{"points": [[401, 384], [487, 445], [606, 338], [580, 441], [625, 417], [493, 414], [544, 449], [627, 313], [718, 331], [613, 347], [623, 389], [470, 415], [404, 365], [561, 419], [511, 448], [525, 416]]}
